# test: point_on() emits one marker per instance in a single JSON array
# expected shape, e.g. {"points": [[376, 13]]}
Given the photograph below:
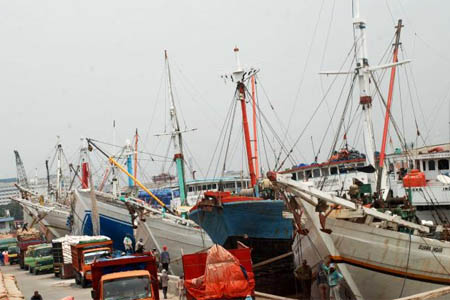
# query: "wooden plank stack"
{"points": [[9, 289]]}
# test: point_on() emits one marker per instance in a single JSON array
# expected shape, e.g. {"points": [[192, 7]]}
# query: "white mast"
{"points": [[363, 71], [115, 180], [58, 169]]}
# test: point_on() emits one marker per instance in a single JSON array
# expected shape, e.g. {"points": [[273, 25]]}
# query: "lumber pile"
{"points": [[9, 289]]}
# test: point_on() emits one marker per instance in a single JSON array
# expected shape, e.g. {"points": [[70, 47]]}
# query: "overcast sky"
{"points": [[70, 68]]}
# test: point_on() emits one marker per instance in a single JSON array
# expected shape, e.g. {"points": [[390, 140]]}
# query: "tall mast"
{"points": [[255, 135], [135, 155], [363, 72], [391, 91], [115, 180], [58, 170], [238, 75], [129, 155], [176, 136]]}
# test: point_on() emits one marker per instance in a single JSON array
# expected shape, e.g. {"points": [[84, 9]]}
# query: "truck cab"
{"points": [[28, 257], [41, 253], [130, 277], [13, 255], [84, 254], [127, 285]]}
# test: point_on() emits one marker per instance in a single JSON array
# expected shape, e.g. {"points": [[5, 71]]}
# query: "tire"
{"points": [[77, 278], [30, 269]]}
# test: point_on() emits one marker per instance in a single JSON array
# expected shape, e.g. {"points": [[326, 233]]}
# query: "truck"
{"points": [[62, 254], [5, 243], [40, 253], [26, 238], [13, 255], [126, 278], [84, 254]]}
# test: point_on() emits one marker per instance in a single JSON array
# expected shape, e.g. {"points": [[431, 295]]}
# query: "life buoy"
{"points": [[436, 149]]}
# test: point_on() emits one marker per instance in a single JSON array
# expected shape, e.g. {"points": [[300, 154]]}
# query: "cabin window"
{"points": [[360, 165], [214, 186], [230, 185], [424, 165], [333, 170], [316, 173], [300, 175], [325, 172], [209, 186], [204, 187], [308, 174], [294, 176], [431, 165], [418, 164], [443, 164], [343, 170], [190, 189]]}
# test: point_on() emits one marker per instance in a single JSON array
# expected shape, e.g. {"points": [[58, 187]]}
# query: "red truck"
{"points": [[131, 277], [219, 274], [84, 254], [24, 239]]}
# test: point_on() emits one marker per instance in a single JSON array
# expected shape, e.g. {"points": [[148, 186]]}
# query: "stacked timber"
{"points": [[29, 234], [9, 289]]}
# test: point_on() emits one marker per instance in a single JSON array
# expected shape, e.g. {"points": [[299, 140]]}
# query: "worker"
{"points": [[155, 253], [304, 274], [322, 280], [164, 282], [128, 244], [334, 280], [165, 258], [36, 296], [140, 246], [181, 289]]}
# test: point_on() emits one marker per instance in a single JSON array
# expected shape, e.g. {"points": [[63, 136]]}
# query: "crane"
{"points": [[21, 175]]}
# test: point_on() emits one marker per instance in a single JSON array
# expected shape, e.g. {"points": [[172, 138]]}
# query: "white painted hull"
{"points": [[374, 260], [53, 224], [156, 231]]}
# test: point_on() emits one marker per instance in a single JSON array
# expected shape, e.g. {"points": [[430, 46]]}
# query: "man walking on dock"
{"points": [[304, 274], [165, 258]]}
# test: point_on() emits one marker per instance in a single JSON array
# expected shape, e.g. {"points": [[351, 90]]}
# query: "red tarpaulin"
{"points": [[224, 277]]}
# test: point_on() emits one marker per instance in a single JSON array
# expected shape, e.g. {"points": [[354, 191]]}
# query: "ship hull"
{"points": [[53, 224], [377, 263], [156, 231], [259, 224]]}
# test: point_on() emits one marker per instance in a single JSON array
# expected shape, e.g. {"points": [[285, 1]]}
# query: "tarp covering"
{"points": [[224, 278]]}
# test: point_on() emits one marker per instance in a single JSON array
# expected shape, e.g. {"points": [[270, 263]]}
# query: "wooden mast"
{"points": [[238, 74], [391, 91], [255, 136], [135, 155]]}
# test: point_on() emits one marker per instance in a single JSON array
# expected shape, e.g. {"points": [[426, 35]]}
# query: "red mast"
{"points": [[238, 76], [391, 90], [248, 146]]}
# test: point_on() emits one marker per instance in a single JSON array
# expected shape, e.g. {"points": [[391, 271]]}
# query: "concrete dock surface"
{"points": [[50, 287]]}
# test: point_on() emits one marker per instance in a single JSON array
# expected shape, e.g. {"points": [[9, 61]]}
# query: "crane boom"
{"points": [[21, 175]]}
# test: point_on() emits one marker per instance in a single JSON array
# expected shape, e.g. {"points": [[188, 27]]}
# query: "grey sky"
{"points": [[69, 68]]}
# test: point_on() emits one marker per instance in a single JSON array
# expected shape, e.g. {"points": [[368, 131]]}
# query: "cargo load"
{"points": [[219, 274], [62, 253], [8, 288], [27, 238]]}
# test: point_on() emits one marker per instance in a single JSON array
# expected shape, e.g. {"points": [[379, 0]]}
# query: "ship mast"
{"points": [[176, 136], [58, 170], [363, 72], [238, 75]]}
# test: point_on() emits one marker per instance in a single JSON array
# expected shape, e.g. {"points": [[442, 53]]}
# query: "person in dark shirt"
{"points": [[36, 296], [304, 274], [165, 258]]}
